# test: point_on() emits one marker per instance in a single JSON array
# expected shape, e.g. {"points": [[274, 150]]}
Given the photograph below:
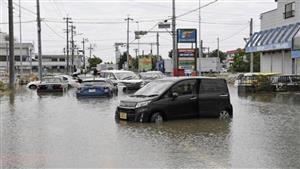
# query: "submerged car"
{"points": [[99, 87], [286, 83], [72, 81], [127, 80], [151, 76], [176, 98], [52, 84]]}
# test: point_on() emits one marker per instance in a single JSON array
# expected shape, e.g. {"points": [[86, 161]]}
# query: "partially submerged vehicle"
{"points": [[177, 98], [52, 84], [285, 83], [127, 80], [253, 82], [99, 87], [151, 76]]}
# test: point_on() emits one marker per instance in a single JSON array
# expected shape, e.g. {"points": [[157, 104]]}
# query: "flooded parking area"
{"points": [[61, 131]]}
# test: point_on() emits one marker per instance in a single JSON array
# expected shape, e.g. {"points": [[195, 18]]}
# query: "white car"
{"points": [[124, 79], [33, 84], [72, 82]]}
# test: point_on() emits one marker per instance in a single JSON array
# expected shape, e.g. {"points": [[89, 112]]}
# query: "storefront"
{"points": [[276, 48]]}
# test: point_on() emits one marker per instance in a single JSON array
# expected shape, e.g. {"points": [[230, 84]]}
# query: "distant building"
{"points": [[26, 51], [52, 63], [279, 31]]}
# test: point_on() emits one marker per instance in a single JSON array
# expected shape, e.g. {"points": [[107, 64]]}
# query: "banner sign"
{"points": [[145, 64], [186, 58], [186, 52], [186, 35]]}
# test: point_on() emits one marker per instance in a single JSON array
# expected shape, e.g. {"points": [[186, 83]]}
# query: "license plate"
{"points": [[92, 90], [123, 116]]}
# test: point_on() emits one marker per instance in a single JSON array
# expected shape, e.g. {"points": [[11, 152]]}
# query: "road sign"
{"points": [[164, 25], [187, 35]]}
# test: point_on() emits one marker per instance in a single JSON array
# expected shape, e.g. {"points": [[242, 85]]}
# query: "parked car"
{"points": [[127, 80], [52, 84], [151, 76], [99, 87], [176, 98], [72, 81], [286, 83], [33, 84]]}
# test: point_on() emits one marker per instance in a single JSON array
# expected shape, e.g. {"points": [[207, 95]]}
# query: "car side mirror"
{"points": [[79, 81]]}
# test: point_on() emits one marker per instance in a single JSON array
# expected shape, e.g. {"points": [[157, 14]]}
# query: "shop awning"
{"points": [[273, 39]]}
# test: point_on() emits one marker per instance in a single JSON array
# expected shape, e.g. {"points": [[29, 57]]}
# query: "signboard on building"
{"points": [[187, 35], [145, 64]]}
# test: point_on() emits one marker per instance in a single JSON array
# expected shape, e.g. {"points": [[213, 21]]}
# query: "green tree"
{"points": [[94, 61], [242, 62], [215, 54]]}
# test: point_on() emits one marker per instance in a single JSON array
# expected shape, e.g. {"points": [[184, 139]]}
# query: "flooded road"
{"points": [[60, 131]]}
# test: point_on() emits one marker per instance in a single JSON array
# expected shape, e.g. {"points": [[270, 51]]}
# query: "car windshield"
{"points": [[52, 80], [150, 75], [94, 83], [126, 75], [154, 88]]}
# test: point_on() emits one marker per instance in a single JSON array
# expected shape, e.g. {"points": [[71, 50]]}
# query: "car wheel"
{"points": [[224, 115], [32, 87], [156, 118]]}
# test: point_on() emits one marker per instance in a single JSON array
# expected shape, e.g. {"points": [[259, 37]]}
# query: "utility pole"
{"points": [[39, 30], [174, 36], [157, 43], [128, 19], [251, 55], [72, 47], [83, 51], [200, 39], [67, 50], [11, 46], [138, 29], [90, 48], [21, 45], [218, 40]]}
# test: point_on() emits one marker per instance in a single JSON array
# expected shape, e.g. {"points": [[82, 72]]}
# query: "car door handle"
{"points": [[224, 95], [193, 98]]}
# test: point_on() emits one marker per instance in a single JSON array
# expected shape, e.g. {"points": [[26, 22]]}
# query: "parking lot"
{"points": [[61, 131]]}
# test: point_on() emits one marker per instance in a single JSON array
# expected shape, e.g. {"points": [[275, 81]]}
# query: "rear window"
{"points": [[208, 86]]}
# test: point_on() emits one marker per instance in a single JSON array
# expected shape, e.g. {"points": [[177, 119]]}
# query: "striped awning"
{"points": [[273, 39]]}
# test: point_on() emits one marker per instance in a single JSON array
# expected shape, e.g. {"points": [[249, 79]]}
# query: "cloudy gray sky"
{"points": [[102, 22]]}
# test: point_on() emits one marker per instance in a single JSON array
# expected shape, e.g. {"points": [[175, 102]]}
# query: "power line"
{"points": [[213, 23], [50, 28]]}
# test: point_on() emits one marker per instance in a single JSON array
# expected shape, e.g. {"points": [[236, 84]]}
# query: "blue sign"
{"points": [[296, 54], [186, 35]]}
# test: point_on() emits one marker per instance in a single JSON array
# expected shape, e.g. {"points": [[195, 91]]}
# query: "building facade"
{"points": [[277, 38], [51, 63]]}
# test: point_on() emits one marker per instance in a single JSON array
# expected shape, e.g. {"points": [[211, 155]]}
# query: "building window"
{"points": [[54, 59], [289, 10], [62, 60]]}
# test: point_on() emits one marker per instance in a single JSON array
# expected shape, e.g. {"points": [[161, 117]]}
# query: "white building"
{"points": [[53, 63], [279, 31]]}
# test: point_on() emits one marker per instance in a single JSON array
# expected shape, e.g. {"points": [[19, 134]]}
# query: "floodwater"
{"points": [[60, 131]]}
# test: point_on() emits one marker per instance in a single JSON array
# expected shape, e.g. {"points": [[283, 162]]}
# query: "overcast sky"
{"points": [[102, 22]]}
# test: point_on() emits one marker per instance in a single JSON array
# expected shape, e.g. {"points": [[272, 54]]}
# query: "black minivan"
{"points": [[177, 98]]}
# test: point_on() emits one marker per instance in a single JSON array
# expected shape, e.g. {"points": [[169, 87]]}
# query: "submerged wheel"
{"points": [[156, 118], [32, 87], [225, 115]]}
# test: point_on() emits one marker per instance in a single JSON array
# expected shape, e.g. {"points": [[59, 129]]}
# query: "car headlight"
{"points": [[143, 104]]}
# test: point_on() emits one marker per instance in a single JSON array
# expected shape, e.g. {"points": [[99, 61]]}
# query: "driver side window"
{"points": [[187, 87]]}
